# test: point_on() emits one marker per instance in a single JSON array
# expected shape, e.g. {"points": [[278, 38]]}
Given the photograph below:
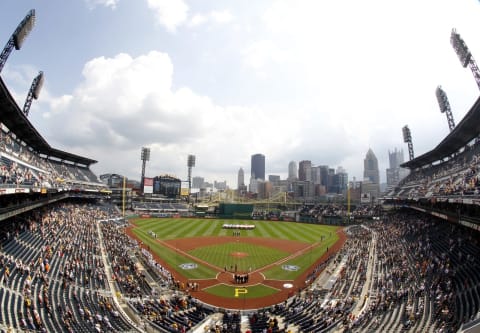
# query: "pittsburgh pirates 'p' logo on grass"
{"points": [[240, 291]]}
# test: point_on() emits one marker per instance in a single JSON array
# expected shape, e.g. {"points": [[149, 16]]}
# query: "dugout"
{"points": [[237, 211]]}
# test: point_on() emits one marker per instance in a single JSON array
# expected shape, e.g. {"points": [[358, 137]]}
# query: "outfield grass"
{"points": [[171, 228], [219, 254]]}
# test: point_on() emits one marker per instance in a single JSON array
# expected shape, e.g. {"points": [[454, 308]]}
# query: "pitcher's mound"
{"points": [[239, 254]]}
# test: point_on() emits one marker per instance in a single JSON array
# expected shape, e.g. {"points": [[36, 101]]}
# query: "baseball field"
{"points": [[234, 267]]}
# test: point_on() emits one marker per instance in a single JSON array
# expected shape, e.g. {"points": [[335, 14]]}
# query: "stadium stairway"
{"points": [[122, 308], [368, 285]]}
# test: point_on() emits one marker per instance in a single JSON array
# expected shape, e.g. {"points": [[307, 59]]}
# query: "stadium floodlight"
{"points": [[190, 164], [464, 55], [406, 134], [445, 106], [407, 137], [191, 161], [34, 92], [18, 37], [145, 156]]}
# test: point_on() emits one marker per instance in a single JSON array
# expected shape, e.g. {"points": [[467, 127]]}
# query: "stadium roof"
{"points": [[467, 130], [17, 122]]}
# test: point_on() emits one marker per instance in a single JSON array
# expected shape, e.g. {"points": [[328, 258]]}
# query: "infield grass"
{"points": [[221, 255], [174, 259]]}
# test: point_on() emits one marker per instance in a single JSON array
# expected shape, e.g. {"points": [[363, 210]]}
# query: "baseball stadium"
{"points": [[76, 256]]}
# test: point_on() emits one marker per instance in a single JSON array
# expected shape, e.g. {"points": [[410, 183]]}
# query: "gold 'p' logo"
{"points": [[240, 291]]}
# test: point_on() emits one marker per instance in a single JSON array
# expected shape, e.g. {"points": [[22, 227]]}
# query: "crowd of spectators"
{"points": [[404, 272], [423, 276], [318, 211], [53, 272], [21, 166], [426, 276], [459, 175]]}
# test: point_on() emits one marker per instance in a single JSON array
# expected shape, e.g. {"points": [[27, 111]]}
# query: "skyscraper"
{"points": [[394, 173], [316, 175], [241, 179], [324, 175], [292, 170], [370, 167], [371, 174], [340, 180], [258, 167], [395, 158], [305, 170]]}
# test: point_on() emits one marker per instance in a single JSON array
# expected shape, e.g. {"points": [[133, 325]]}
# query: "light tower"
{"points": [[34, 92], [190, 165], [445, 106], [145, 156], [407, 137], [18, 37], [464, 55]]}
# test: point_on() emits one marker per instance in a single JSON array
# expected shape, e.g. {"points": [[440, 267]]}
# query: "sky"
{"points": [[222, 80]]}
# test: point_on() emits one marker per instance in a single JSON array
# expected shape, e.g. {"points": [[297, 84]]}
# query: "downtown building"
{"points": [[241, 187], [257, 172], [395, 173], [371, 177]]}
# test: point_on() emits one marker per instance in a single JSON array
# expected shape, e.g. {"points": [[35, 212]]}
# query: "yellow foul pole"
{"points": [[123, 195]]}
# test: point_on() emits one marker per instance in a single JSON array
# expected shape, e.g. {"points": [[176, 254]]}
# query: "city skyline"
{"points": [[314, 178], [396, 157]]}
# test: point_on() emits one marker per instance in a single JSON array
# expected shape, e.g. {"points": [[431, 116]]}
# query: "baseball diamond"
{"points": [[258, 260]]}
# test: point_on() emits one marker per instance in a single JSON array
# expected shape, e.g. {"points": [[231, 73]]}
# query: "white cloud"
{"points": [[223, 16], [125, 103], [174, 13], [169, 13], [262, 53], [91, 4], [198, 19], [216, 17]]}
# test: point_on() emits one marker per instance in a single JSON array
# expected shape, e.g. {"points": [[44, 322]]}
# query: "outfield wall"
{"points": [[234, 210]]}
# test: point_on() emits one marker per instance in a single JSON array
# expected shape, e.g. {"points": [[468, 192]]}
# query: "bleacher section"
{"points": [[456, 177], [20, 167], [53, 278]]}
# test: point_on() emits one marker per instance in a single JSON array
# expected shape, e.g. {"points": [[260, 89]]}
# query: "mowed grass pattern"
{"points": [[174, 258], [168, 228], [220, 254]]}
